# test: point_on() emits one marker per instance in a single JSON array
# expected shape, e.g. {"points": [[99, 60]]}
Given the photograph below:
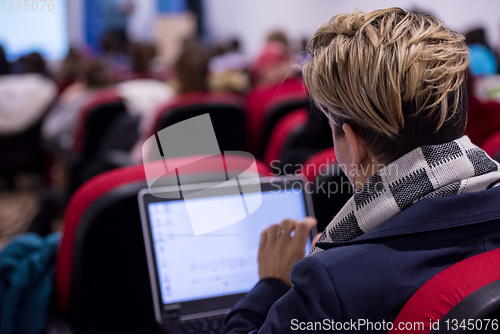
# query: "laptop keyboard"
{"points": [[209, 325]]}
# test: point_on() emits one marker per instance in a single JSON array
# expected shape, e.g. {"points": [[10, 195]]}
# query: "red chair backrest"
{"points": [[492, 144], [448, 288], [262, 99], [282, 130], [226, 113], [188, 100], [318, 162], [483, 119]]}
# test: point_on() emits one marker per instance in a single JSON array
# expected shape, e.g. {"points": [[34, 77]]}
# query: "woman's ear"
{"points": [[359, 150]]}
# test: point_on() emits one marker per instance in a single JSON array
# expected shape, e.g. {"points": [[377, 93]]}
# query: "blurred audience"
{"points": [[280, 37], [143, 92], [141, 56], [4, 63], [24, 98], [70, 71], [272, 76], [191, 68], [191, 75], [483, 61], [114, 55], [228, 69], [34, 63], [228, 58], [58, 128]]}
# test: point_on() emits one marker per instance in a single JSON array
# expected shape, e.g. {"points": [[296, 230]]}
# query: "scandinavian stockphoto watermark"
{"points": [[329, 178], [191, 146]]}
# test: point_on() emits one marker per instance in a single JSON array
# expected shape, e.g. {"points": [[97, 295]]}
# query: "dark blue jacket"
{"points": [[374, 275]]}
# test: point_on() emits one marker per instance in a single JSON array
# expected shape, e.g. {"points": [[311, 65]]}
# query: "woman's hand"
{"points": [[278, 251]]}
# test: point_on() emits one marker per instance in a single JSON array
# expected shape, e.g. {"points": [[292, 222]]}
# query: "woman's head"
{"points": [[396, 78]]}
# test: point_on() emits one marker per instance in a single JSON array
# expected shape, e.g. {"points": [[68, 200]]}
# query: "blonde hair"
{"points": [[368, 67]]}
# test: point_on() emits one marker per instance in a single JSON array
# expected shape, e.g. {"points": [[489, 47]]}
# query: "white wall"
{"points": [[252, 20]]}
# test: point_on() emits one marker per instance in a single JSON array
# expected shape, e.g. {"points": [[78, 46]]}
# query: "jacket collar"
{"points": [[433, 214]]}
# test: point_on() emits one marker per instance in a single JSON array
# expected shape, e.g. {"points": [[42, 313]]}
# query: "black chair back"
{"points": [[98, 120], [331, 190], [110, 287], [228, 121], [97, 123], [22, 152], [274, 114]]}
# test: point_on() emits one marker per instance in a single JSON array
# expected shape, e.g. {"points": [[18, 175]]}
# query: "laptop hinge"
{"points": [[204, 314], [171, 312]]}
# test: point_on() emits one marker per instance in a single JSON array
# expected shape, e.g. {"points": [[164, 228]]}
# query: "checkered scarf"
{"points": [[448, 169]]}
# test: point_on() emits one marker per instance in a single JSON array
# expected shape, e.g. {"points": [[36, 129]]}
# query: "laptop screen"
{"points": [[219, 263]]}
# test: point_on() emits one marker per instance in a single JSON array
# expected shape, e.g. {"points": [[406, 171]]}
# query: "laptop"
{"points": [[198, 273]]}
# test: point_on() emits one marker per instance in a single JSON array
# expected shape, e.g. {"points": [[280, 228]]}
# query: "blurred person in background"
{"points": [[140, 26], [142, 92], [70, 70], [191, 68], [273, 63], [191, 75], [34, 63], [24, 98], [114, 55], [228, 69], [59, 126], [484, 66], [483, 61], [272, 75], [280, 37], [483, 84], [141, 56]]}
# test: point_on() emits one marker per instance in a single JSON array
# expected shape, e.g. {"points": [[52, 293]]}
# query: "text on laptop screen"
{"points": [[219, 263]]}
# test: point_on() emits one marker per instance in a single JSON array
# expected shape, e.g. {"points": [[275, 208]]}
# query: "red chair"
{"points": [[469, 289], [492, 145], [101, 280], [261, 100], [280, 107], [318, 163], [283, 129], [483, 120], [226, 113]]}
